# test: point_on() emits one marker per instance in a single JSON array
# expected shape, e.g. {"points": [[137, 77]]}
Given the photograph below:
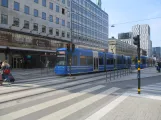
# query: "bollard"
{"points": [[110, 75], [114, 73], [120, 73]]}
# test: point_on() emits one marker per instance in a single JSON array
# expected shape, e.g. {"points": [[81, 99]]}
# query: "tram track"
{"points": [[62, 83]]}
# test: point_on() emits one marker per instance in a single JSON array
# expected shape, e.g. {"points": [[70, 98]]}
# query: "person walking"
{"points": [[159, 66], [5, 71]]}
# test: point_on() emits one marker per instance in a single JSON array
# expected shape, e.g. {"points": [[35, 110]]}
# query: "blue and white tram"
{"points": [[86, 61], [143, 62]]}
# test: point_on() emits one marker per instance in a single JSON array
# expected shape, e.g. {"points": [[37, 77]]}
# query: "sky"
{"points": [[121, 11]]}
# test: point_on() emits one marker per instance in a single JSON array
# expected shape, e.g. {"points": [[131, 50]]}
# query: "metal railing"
{"points": [[116, 74]]}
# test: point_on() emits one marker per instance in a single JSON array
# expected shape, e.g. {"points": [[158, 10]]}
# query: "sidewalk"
{"points": [[134, 108], [147, 72]]}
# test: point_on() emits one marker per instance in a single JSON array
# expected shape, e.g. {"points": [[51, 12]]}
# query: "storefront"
{"points": [[27, 51]]}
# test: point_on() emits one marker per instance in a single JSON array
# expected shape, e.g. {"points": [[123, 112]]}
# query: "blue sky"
{"points": [[121, 11]]}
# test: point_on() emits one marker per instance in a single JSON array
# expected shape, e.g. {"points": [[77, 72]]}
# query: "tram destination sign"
{"points": [[61, 52]]}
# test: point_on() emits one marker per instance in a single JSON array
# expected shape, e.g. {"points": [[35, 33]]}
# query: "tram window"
{"points": [[101, 61], [90, 60], [112, 61], [83, 60], [118, 61], [108, 61], [74, 60], [68, 59], [61, 60]]}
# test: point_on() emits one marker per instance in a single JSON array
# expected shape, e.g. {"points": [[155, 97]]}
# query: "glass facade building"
{"points": [[157, 52], [89, 24]]}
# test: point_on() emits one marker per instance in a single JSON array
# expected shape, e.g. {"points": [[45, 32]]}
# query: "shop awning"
{"points": [[28, 49]]}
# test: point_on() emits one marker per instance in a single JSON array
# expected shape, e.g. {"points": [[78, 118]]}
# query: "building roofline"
{"points": [[97, 6]]}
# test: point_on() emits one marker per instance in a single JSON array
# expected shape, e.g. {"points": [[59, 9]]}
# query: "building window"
{"points": [[35, 13], [57, 8], [16, 6], [63, 34], [44, 3], [4, 3], [63, 1], [57, 32], [57, 20], [63, 22], [51, 18], [51, 5], [43, 15], [68, 14], [50, 31], [68, 3], [68, 35], [4, 19], [68, 24], [26, 24], [36, 1], [16, 22], [44, 29], [35, 27], [26, 10], [63, 11]]}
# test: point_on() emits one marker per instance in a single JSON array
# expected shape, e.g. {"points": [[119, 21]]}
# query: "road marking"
{"points": [[147, 90], [42, 96], [29, 110], [78, 106], [102, 112], [151, 88], [154, 97]]}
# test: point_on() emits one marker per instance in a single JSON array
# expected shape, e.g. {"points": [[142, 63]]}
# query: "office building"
{"points": [[157, 53], [144, 32], [89, 24], [126, 37], [117, 46], [33, 28]]}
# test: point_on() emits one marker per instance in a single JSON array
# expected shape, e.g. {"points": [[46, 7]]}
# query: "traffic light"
{"points": [[68, 47], [73, 47], [136, 40]]}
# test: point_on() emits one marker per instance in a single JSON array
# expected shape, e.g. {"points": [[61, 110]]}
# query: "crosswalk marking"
{"points": [[148, 91], [42, 96], [26, 111], [102, 112], [26, 86], [78, 106]]}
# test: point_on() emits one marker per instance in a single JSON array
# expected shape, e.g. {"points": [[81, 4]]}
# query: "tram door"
{"points": [[95, 61]]}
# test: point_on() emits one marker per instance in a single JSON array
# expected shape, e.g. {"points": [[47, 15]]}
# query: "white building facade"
{"points": [[43, 17], [144, 32], [33, 27]]}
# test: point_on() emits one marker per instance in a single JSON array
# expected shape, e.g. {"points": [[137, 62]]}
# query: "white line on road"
{"points": [[29, 110], [102, 112], [42, 96], [78, 106]]}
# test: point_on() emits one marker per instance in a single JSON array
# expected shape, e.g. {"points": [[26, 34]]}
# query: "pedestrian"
{"points": [[159, 66], [0, 64], [5, 71]]}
